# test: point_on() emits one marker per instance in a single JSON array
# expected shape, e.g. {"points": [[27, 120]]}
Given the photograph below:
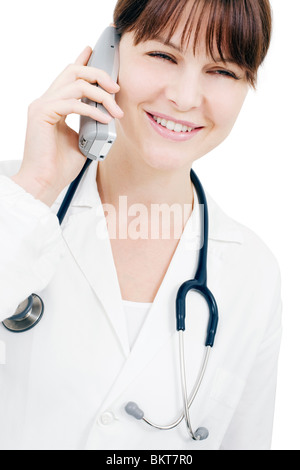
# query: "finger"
{"points": [[95, 75], [82, 89], [84, 57], [64, 108], [91, 74]]}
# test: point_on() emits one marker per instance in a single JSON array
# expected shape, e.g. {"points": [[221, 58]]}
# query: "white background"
{"points": [[254, 175]]}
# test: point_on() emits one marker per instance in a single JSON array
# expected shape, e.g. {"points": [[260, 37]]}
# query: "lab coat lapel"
{"points": [[87, 238]]}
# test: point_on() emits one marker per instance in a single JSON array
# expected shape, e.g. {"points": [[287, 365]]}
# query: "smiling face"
{"points": [[177, 105]]}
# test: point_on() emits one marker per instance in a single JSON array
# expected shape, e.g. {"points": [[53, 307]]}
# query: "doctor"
{"points": [[108, 333]]}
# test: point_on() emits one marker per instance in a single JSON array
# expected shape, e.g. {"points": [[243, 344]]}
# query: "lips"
{"points": [[176, 121], [178, 131]]}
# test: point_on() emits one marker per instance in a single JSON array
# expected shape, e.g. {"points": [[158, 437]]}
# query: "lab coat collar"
{"points": [[221, 227]]}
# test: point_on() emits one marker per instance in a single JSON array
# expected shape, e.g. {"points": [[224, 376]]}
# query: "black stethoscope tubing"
{"points": [[199, 283]]}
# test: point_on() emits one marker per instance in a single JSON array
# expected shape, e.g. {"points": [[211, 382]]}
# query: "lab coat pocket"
{"points": [[227, 388], [2, 353]]}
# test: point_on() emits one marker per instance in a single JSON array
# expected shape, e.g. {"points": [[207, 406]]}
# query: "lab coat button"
{"points": [[106, 418]]}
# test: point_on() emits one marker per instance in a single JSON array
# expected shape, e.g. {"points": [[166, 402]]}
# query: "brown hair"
{"points": [[240, 30]]}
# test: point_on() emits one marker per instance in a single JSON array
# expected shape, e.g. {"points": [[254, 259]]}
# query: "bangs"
{"points": [[233, 29]]}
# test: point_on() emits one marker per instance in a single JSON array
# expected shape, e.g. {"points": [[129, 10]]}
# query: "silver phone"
{"points": [[95, 138]]}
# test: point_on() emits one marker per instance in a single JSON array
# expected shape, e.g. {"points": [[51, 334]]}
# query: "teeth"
{"points": [[172, 126]]}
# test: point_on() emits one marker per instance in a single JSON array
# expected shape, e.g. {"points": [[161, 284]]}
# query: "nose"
{"points": [[186, 91]]}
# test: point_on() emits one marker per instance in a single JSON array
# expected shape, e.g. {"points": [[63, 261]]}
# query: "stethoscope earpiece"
{"points": [[27, 315], [201, 434]]}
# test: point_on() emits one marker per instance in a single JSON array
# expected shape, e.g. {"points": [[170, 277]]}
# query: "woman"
{"points": [[109, 286]]}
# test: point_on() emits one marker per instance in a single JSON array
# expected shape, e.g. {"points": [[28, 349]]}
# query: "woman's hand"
{"points": [[52, 159]]}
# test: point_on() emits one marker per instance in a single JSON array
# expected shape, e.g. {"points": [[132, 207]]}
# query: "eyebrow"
{"points": [[165, 42], [168, 43]]}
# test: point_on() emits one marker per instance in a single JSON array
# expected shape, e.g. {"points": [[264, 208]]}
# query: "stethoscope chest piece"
{"points": [[27, 315]]}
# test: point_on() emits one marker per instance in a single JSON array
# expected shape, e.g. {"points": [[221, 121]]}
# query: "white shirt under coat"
{"points": [[64, 384]]}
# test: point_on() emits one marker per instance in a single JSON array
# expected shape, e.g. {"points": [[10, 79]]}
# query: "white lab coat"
{"points": [[64, 384]]}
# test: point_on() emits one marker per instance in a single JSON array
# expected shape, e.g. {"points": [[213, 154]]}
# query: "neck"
{"points": [[141, 184]]}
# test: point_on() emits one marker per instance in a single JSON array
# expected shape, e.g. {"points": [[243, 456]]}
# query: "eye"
{"points": [[225, 73], [162, 56]]}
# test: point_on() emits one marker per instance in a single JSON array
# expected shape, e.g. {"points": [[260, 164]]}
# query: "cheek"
{"points": [[135, 86], [140, 83], [227, 106]]}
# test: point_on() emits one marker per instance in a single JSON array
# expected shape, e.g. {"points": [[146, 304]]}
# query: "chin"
{"points": [[165, 161]]}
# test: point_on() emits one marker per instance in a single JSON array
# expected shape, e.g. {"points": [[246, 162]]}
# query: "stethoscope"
{"points": [[30, 312]]}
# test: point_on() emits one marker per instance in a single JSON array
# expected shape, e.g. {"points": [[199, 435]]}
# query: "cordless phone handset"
{"points": [[95, 138]]}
